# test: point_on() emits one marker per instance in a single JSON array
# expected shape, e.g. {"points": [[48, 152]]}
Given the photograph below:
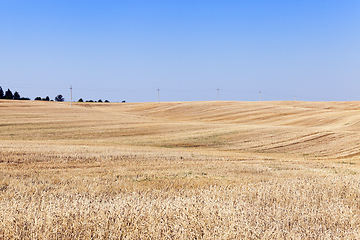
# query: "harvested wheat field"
{"points": [[180, 170]]}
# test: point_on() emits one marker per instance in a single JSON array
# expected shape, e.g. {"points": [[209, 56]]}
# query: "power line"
{"points": [[114, 90], [167, 92], [183, 90]]}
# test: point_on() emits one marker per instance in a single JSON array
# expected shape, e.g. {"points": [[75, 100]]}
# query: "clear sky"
{"points": [[125, 50]]}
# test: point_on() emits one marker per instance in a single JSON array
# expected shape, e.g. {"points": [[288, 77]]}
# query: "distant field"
{"points": [[180, 170]]}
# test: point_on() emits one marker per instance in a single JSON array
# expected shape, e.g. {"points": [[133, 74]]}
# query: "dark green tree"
{"points": [[9, 94], [16, 96], [37, 98], [1, 93], [100, 100], [59, 98], [80, 100]]}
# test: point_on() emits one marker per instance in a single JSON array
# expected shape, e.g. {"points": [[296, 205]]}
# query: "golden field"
{"points": [[180, 170]]}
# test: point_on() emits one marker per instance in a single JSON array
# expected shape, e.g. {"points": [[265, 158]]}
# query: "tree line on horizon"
{"points": [[16, 96], [9, 95]]}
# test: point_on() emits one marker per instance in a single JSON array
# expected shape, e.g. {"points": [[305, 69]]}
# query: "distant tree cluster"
{"points": [[42, 99], [100, 101], [58, 98], [11, 96], [16, 96]]}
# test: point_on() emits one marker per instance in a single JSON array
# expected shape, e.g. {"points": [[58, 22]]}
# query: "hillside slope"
{"points": [[290, 129]]}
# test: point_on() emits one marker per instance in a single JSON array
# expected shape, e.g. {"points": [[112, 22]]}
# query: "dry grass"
{"points": [[199, 170]]}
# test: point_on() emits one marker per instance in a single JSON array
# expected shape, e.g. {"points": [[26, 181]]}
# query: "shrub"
{"points": [[59, 98]]}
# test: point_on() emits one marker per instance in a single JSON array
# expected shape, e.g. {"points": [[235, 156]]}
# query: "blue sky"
{"points": [[125, 50]]}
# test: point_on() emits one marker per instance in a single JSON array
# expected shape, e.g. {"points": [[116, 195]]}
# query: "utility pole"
{"points": [[218, 94], [295, 97], [70, 95], [158, 90], [260, 96]]}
